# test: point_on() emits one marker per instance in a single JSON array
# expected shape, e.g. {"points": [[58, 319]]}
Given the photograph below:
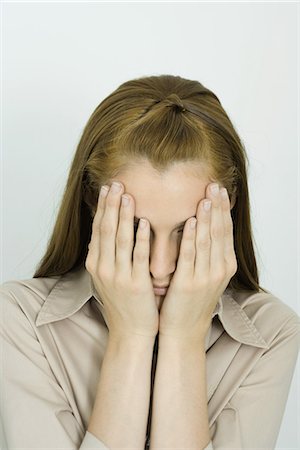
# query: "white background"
{"points": [[61, 59]]}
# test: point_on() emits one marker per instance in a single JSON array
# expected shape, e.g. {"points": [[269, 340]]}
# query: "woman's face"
{"points": [[167, 201]]}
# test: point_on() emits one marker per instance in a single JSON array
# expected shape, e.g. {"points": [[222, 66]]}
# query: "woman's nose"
{"points": [[163, 258]]}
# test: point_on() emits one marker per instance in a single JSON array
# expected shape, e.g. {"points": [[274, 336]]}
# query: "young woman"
{"points": [[144, 325]]}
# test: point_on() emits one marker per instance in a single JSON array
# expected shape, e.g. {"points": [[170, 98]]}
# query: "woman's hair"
{"points": [[164, 120]]}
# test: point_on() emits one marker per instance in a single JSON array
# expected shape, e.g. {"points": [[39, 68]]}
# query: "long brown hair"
{"points": [[164, 119]]}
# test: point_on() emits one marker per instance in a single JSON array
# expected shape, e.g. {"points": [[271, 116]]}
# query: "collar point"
{"points": [[40, 320]]}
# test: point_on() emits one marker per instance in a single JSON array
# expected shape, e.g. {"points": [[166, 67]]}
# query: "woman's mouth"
{"points": [[160, 291]]}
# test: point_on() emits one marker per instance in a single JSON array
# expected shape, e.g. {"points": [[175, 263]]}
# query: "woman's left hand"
{"points": [[205, 265]]}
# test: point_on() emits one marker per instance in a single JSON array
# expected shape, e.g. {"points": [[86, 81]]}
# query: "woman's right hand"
{"points": [[123, 282]]}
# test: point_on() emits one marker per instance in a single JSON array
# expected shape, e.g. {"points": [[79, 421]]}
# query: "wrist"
{"points": [[119, 342], [184, 340]]}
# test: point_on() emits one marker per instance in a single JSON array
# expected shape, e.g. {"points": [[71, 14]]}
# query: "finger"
{"points": [[94, 244], [109, 226], [203, 240], [124, 241], [187, 252], [229, 253], [217, 262], [141, 252]]}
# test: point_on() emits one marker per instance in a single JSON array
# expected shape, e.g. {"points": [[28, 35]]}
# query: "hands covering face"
{"points": [[205, 265]]}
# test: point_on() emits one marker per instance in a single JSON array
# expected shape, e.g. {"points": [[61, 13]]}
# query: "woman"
{"points": [[150, 333]]}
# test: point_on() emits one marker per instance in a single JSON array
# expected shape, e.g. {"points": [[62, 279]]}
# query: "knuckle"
{"points": [[95, 226], [122, 241], [120, 281], [136, 287], [233, 267], [142, 238], [228, 228], [113, 201], [106, 228], [203, 242], [100, 208], [218, 276], [203, 218], [97, 212], [89, 265], [102, 273], [110, 199], [203, 283], [188, 254], [182, 286], [140, 255], [216, 232], [188, 289], [125, 218]]}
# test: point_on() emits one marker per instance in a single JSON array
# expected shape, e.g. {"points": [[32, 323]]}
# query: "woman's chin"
{"points": [[159, 300]]}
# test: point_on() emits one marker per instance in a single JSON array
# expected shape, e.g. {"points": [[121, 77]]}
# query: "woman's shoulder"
{"points": [[24, 298], [28, 287], [264, 303], [255, 301], [268, 312]]}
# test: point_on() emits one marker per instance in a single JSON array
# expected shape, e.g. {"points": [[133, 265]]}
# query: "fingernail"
{"points": [[125, 200], [207, 205], [223, 192], [104, 191], [215, 189], [115, 187], [193, 223], [143, 223]]}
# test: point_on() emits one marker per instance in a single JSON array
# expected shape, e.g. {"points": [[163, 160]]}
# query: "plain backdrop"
{"points": [[61, 59]]}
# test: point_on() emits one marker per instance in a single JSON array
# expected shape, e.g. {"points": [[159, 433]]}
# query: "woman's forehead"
{"points": [[168, 198]]}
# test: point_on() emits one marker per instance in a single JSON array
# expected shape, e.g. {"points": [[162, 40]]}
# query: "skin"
{"points": [[165, 200], [197, 264]]}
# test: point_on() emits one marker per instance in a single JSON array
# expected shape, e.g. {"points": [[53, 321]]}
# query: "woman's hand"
{"points": [[123, 282], [205, 266]]}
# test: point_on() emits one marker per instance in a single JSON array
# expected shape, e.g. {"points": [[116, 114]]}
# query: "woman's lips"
{"points": [[160, 291]]}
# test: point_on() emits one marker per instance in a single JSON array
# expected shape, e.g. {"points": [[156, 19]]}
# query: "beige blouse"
{"points": [[53, 336]]}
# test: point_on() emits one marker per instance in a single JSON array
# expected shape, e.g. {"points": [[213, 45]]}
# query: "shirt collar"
{"points": [[74, 289]]}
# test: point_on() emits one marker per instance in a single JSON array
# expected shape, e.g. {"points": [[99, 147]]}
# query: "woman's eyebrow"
{"points": [[179, 225]]}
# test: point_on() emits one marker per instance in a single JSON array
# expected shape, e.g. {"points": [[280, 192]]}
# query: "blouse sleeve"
{"points": [[34, 410], [253, 416]]}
